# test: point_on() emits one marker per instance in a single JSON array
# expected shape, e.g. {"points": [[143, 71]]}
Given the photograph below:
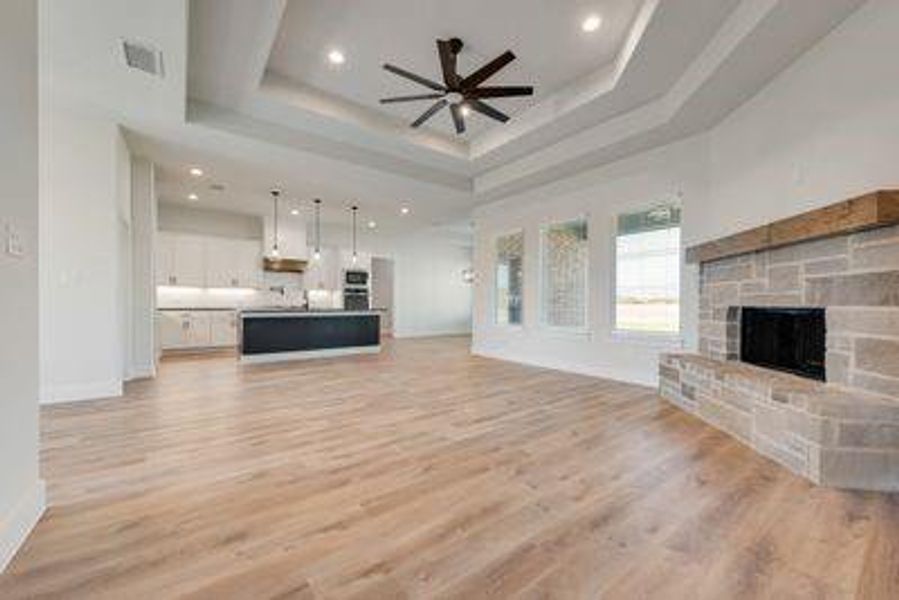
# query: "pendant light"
{"points": [[275, 252], [318, 230], [355, 256]]}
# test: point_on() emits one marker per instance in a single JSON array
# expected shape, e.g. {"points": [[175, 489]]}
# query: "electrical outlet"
{"points": [[15, 244]]}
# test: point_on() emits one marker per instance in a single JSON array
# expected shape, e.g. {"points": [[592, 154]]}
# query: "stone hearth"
{"points": [[829, 434]]}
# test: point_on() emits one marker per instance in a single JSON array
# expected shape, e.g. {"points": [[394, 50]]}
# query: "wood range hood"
{"points": [[283, 265], [869, 211]]}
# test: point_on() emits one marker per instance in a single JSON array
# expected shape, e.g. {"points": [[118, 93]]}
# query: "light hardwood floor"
{"points": [[427, 473]]}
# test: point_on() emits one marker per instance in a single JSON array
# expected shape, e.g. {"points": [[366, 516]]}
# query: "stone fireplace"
{"points": [[836, 422]]}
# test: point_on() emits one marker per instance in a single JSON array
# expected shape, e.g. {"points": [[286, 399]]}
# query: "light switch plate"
{"points": [[15, 245]]}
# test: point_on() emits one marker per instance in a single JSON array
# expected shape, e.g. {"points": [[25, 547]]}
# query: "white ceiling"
{"points": [[236, 185], [247, 95], [552, 51]]}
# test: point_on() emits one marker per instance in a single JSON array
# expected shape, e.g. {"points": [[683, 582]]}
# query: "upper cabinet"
{"points": [[323, 273], [199, 261], [291, 235], [180, 260], [363, 261], [233, 263]]}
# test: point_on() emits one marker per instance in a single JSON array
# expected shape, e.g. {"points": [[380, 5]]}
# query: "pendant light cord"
{"points": [[355, 208], [275, 194], [318, 226]]}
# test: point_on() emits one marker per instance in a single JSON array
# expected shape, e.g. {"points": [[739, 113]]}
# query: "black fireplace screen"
{"points": [[786, 339]]}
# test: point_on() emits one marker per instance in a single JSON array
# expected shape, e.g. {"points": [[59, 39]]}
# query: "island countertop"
{"points": [[250, 313]]}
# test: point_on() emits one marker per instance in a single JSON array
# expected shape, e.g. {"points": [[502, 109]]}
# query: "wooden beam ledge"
{"points": [[870, 211]]}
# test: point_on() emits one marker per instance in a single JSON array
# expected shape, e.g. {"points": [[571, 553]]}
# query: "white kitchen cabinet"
{"points": [[363, 261], [221, 255], [248, 258], [199, 261], [197, 329], [175, 329], [165, 259], [190, 261], [324, 273], [180, 260], [223, 329], [200, 332]]}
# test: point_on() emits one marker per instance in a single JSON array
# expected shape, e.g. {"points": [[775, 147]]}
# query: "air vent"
{"points": [[143, 58]]}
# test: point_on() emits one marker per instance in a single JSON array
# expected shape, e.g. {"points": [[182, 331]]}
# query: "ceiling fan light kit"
{"points": [[461, 94]]}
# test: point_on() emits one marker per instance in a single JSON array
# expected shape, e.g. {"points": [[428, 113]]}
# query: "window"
{"points": [[647, 271], [509, 278], [564, 264]]}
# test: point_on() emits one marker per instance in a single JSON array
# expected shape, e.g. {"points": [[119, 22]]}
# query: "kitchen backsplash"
{"points": [[279, 289]]}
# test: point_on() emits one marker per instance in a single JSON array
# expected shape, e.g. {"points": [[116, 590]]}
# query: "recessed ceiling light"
{"points": [[465, 110], [372, 224], [591, 23], [196, 171], [336, 57], [193, 197], [295, 211], [405, 210]]}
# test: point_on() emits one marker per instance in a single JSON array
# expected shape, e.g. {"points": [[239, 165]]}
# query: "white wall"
{"points": [[143, 298], [430, 296], [83, 238], [21, 491], [673, 173], [206, 221], [825, 129]]}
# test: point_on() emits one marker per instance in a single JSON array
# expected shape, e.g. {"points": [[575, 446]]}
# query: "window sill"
{"points": [[508, 327]]}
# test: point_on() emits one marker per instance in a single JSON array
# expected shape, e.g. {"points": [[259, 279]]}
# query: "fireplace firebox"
{"points": [[786, 339]]}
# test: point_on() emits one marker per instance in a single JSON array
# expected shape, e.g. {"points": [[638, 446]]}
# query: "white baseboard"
{"points": [[423, 334], [15, 527], [141, 372], [81, 391], [636, 377], [307, 354]]}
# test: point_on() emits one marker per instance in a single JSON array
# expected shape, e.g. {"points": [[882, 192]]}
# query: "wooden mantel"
{"points": [[876, 209]]}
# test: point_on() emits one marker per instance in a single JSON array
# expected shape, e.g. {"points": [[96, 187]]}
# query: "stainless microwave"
{"points": [[355, 278]]}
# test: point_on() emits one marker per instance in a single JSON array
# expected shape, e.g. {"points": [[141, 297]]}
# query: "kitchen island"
{"points": [[279, 334]]}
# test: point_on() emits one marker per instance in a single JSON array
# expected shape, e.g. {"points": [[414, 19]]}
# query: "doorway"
{"points": [[382, 291]]}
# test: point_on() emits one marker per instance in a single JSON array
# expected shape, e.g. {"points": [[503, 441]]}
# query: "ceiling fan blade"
{"points": [[429, 113], [448, 63], [413, 77], [458, 117], [487, 71], [500, 92], [486, 109], [411, 98]]}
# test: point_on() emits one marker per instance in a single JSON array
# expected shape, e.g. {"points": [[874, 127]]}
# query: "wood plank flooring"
{"points": [[425, 472]]}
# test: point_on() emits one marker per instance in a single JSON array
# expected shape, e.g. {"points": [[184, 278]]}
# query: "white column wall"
{"points": [[21, 491]]}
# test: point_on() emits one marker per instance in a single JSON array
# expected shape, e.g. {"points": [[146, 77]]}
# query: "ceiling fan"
{"points": [[460, 92]]}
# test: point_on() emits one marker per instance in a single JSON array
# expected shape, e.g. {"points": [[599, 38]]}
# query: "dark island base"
{"points": [[277, 337]]}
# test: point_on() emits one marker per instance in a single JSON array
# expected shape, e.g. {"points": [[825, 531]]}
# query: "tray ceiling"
{"points": [[552, 50]]}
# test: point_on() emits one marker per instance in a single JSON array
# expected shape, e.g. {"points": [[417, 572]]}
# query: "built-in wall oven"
{"points": [[355, 290], [355, 278]]}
